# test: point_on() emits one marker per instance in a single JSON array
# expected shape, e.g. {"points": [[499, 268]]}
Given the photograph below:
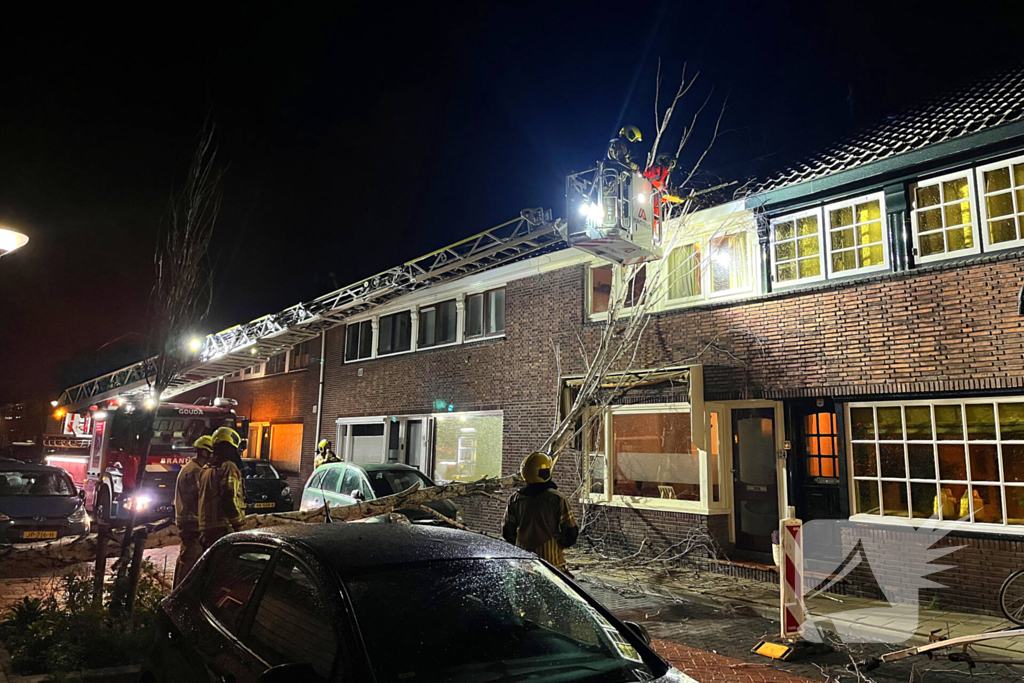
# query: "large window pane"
{"points": [[394, 333], [1011, 421], [684, 272], [635, 278], [230, 579], [495, 323], [922, 460], [468, 447], [475, 315], [294, 621], [891, 458], [867, 497], [981, 422], [890, 423], [922, 500], [730, 263], [796, 247], [952, 464], [984, 462], [438, 324], [943, 217], [919, 423], [654, 456], [988, 504], [600, 289], [862, 423], [949, 423], [864, 461], [894, 499]]}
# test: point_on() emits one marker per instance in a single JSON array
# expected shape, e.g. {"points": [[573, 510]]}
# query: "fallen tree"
{"points": [[36, 558]]}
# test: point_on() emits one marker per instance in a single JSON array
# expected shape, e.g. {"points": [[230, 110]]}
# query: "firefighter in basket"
{"points": [[324, 454], [620, 149], [539, 518]]}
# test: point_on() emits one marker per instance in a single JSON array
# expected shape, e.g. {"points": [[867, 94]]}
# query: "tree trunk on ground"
{"points": [[53, 556]]}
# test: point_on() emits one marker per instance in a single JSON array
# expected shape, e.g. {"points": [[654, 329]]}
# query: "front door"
{"points": [[755, 486]]}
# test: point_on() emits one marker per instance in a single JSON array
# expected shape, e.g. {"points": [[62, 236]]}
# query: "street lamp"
{"points": [[11, 240]]}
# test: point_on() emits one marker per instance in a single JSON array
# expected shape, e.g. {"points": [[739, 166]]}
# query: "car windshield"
{"points": [[31, 483], [387, 482], [259, 470], [489, 620]]}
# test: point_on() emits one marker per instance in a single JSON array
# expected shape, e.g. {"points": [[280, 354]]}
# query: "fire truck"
{"points": [[102, 449]]}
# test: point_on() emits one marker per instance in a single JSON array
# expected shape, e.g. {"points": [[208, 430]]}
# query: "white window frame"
{"points": [[752, 265], [794, 217], [418, 319], [373, 341], [914, 210], [589, 295], [701, 250], [640, 502], [827, 228], [989, 527], [413, 334], [1018, 209]]}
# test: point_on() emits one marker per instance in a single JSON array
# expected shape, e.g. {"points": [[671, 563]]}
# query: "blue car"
{"points": [[39, 503]]}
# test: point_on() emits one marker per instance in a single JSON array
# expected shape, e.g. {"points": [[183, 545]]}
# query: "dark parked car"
{"points": [[389, 602], [345, 483], [38, 503], [265, 490]]}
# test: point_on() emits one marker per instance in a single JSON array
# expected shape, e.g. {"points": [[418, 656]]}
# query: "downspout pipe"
{"points": [[320, 389]]}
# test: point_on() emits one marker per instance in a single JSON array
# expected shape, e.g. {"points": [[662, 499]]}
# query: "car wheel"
{"points": [[101, 510]]}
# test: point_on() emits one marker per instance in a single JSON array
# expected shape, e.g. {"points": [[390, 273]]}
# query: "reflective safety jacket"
{"points": [[221, 497], [186, 494], [324, 457], [539, 519]]}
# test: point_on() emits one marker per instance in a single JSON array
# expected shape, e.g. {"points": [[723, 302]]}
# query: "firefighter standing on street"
{"points": [[324, 454], [538, 517], [221, 499], [186, 508]]}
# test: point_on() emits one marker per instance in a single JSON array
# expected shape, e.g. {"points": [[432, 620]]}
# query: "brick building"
{"points": [[847, 341]]}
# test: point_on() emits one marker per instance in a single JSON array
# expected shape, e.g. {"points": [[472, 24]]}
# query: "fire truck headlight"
{"points": [[141, 503]]}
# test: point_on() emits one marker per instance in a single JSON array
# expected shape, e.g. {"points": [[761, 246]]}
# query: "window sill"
{"points": [[663, 504], [473, 340], [978, 528]]}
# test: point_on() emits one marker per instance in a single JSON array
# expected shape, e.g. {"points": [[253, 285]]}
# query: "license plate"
{"points": [[264, 505], [39, 534]]}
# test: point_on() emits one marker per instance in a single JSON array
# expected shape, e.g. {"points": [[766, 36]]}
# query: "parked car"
{"points": [[39, 502], [265, 490], [389, 602], [342, 483]]}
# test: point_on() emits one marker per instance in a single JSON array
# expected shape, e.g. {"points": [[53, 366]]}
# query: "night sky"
{"points": [[356, 138]]}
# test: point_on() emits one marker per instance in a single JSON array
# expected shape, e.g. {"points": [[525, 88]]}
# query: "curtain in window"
{"points": [[684, 272]]}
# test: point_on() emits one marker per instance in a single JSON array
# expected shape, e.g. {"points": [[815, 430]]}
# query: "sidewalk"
{"points": [[872, 620]]}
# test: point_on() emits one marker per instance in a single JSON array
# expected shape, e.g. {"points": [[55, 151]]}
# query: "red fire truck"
{"points": [[106, 444]]}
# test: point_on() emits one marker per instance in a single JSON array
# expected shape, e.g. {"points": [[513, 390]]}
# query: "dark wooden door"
{"points": [[755, 485]]}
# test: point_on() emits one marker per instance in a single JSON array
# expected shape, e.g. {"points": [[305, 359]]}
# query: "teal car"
{"points": [[345, 483]]}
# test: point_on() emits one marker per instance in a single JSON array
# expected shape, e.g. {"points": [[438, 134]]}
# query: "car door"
{"points": [[296, 621], [331, 486], [351, 482], [229, 583]]}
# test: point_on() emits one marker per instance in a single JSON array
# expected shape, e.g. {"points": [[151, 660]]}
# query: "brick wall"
{"points": [[951, 327], [283, 399]]}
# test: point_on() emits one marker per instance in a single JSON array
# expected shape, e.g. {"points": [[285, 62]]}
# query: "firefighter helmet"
{"points": [[323, 445], [204, 443], [226, 434], [631, 133], [665, 160], [536, 468]]}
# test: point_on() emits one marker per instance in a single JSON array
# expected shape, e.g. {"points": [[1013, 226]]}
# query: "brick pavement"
{"points": [[708, 667]]}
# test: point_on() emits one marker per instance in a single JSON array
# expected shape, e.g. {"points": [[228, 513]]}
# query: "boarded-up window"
{"points": [[286, 446]]}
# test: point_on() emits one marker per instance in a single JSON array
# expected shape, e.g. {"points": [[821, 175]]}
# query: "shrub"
{"points": [[64, 632]]}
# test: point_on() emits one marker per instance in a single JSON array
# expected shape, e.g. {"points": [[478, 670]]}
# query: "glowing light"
{"points": [[723, 259], [642, 198], [101, 415], [11, 240], [196, 345], [149, 403], [53, 403], [60, 413], [584, 209], [253, 350]]}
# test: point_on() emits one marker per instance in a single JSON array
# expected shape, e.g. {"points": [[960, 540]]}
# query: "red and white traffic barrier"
{"points": [[791, 578]]}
